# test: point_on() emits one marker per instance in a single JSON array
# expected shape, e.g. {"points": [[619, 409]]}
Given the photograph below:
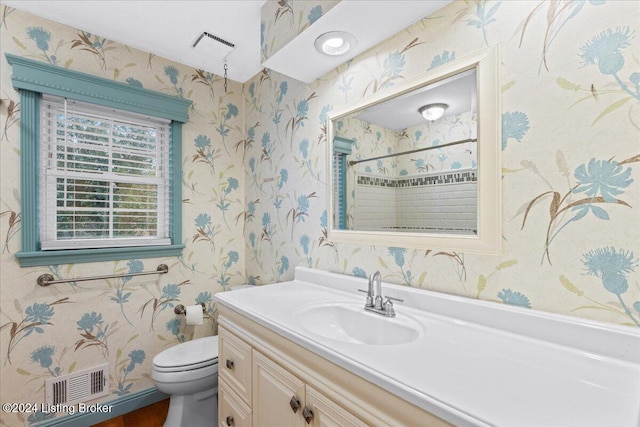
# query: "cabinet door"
{"points": [[327, 413], [275, 393], [234, 364], [232, 411]]}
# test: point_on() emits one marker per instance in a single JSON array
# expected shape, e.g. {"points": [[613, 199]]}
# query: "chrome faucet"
{"points": [[375, 304], [377, 280], [369, 301]]}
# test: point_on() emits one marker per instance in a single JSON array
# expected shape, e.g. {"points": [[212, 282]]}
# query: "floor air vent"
{"points": [[78, 387]]}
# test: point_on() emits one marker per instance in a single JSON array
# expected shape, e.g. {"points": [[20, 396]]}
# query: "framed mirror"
{"points": [[419, 164]]}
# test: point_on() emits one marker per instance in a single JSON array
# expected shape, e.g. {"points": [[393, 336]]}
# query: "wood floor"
{"points": [[149, 416]]}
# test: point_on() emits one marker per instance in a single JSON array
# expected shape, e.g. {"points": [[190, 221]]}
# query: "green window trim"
{"points": [[41, 77], [33, 78], [342, 145]]}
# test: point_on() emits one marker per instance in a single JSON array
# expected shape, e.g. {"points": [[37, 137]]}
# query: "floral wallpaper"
{"points": [[255, 183], [283, 20], [449, 129], [570, 122], [47, 332], [371, 141]]}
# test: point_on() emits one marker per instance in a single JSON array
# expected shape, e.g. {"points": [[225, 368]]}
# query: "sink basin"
{"points": [[349, 322]]}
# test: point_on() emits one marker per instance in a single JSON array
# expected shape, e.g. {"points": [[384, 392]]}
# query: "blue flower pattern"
{"points": [[511, 297], [604, 178], [42, 38], [135, 358], [514, 126], [612, 266], [441, 59], [603, 182]]}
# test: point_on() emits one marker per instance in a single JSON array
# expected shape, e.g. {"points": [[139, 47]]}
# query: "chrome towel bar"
{"points": [[48, 279]]}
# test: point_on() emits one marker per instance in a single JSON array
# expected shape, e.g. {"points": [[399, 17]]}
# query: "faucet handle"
{"points": [[369, 300], [378, 302], [388, 308]]}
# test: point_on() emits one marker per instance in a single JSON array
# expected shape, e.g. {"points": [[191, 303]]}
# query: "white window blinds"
{"points": [[104, 178]]}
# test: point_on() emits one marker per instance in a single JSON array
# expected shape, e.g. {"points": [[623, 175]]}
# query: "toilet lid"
{"points": [[188, 355]]}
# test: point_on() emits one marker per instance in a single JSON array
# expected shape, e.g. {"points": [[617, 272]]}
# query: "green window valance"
{"points": [[41, 77], [342, 145]]}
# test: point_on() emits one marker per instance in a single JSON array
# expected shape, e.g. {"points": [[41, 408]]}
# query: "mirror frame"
{"points": [[489, 237]]}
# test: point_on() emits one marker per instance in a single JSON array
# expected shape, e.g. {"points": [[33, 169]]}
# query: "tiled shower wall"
{"points": [[444, 202], [374, 203], [449, 208]]}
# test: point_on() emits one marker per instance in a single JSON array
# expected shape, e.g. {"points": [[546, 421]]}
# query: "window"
{"points": [[100, 172], [340, 190], [104, 177], [341, 148]]}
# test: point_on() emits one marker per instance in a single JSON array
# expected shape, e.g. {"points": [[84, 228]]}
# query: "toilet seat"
{"points": [[190, 355]]}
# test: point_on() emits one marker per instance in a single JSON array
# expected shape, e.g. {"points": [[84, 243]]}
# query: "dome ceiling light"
{"points": [[433, 111]]}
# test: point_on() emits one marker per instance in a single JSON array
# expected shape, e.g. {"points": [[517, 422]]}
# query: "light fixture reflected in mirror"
{"points": [[335, 43], [475, 82], [433, 111]]}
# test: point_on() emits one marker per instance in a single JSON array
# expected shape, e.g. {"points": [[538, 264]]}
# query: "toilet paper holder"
{"points": [[180, 309]]}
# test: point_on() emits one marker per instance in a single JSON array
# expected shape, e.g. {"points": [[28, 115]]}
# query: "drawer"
{"points": [[234, 364], [232, 411], [328, 413]]}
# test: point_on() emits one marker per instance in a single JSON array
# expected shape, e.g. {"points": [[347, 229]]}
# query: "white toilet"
{"points": [[188, 372]]}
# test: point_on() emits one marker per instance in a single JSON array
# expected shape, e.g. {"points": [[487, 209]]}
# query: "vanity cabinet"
{"points": [[278, 395], [236, 412], [266, 380], [327, 413], [234, 365], [282, 399]]}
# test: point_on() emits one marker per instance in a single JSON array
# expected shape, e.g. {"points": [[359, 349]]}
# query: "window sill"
{"points": [[76, 256]]}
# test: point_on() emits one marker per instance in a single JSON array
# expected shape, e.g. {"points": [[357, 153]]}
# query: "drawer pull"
{"points": [[229, 364], [295, 404], [229, 420], [307, 414]]}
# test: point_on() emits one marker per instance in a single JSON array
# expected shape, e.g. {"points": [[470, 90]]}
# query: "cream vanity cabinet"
{"points": [[266, 380], [274, 386]]}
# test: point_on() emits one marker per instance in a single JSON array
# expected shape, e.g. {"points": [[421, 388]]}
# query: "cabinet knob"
{"points": [[307, 414], [229, 420], [295, 404], [229, 364]]}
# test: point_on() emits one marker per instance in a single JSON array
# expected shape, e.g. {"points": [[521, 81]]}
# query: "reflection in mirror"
{"points": [[403, 176], [403, 172]]}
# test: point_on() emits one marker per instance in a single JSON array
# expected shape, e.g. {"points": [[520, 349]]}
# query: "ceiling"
{"points": [[401, 112], [169, 28], [370, 21]]}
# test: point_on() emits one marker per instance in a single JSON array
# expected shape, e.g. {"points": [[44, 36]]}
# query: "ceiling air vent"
{"points": [[78, 387], [211, 45]]}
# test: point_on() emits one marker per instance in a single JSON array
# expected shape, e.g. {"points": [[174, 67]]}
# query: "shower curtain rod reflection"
{"points": [[462, 141]]}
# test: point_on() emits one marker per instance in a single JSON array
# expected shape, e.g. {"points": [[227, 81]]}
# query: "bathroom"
{"points": [[254, 203]]}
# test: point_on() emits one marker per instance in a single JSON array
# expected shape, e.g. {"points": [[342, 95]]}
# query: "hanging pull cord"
{"points": [[226, 67]]}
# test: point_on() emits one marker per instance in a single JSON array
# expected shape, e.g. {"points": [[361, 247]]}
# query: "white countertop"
{"points": [[539, 370]]}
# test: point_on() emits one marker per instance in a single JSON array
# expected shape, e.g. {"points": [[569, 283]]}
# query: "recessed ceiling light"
{"points": [[433, 111], [335, 43]]}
